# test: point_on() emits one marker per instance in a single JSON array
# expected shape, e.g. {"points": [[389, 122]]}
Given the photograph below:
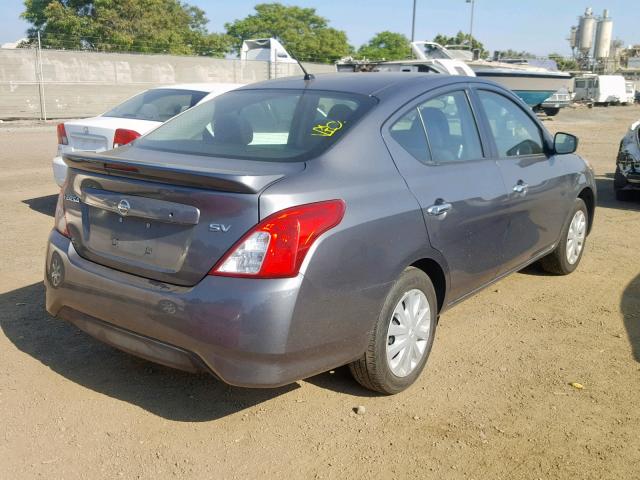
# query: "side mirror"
{"points": [[564, 143]]}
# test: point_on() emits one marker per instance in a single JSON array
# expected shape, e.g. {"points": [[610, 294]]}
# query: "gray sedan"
{"points": [[293, 226]]}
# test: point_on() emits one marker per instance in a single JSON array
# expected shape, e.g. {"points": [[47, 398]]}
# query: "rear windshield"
{"points": [[270, 125], [157, 105]]}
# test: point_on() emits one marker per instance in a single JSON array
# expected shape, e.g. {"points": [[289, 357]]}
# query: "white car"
{"points": [[129, 120]]}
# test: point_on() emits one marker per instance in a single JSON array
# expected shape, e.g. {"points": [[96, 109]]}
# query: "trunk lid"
{"points": [[96, 134], [163, 216]]}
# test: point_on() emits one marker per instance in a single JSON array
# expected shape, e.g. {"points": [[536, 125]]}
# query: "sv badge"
{"points": [[219, 227]]}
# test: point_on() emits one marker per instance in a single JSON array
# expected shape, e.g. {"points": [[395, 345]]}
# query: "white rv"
{"points": [[603, 89]]}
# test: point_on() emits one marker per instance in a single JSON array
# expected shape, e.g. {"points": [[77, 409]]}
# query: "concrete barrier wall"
{"points": [[80, 84]]}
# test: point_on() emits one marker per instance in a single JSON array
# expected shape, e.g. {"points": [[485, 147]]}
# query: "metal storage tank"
{"points": [[573, 37], [604, 35], [586, 29]]}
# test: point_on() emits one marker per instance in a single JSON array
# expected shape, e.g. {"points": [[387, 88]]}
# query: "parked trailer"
{"points": [[601, 89]]}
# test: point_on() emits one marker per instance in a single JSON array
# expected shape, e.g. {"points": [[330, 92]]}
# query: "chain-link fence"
{"points": [[67, 84]]}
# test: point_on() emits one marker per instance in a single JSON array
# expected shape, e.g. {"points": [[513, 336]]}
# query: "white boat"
{"points": [[441, 65], [533, 84]]}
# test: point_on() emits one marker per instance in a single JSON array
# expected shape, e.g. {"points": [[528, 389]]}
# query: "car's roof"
{"points": [[200, 87], [362, 83]]}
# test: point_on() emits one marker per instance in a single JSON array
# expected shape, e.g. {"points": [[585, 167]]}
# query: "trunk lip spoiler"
{"points": [[230, 182]]}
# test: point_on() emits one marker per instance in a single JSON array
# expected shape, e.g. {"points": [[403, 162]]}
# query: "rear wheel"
{"points": [[551, 112], [566, 257], [401, 339]]}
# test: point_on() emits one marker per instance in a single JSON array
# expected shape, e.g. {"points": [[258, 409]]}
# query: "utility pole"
{"points": [[473, 3], [43, 107], [413, 22]]}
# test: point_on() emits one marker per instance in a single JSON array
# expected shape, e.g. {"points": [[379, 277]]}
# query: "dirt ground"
{"points": [[494, 401]]}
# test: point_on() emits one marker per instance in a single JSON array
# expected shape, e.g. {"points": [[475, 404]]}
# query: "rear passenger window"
{"points": [[409, 133], [514, 132], [451, 129]]}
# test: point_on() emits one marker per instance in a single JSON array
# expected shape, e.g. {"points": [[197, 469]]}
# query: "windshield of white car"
{"points": [[157, 105], [262, 124]]}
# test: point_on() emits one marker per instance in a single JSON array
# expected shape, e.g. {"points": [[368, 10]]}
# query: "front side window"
{"points": [[514, 132], [270, 124], [157, 105], [451, 128]]}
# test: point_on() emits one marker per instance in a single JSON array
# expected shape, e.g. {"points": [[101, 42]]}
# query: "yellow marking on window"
{"points": [[328, 129]]}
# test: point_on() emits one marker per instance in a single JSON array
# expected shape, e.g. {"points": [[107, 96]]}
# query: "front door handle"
{"points": [[521, 188], [439, 209]]}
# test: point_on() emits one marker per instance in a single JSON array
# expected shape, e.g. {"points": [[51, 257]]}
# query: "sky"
{"points": [[537, 26]]}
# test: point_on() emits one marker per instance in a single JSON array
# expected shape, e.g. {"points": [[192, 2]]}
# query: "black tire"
{"points": [[372, 371], [624, 195], [619, 182], [551, 112], [556, 262]]}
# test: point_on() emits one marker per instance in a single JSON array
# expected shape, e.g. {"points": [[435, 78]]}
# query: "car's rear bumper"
{"points": [[244, 331], [59, 170], [556, 104], [632, 182]]}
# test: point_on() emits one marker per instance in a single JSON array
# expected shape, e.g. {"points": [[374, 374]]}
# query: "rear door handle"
{"points": [[521, 188], [439, 209]]}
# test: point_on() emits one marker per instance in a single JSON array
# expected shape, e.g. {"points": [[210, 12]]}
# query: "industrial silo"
{"points": [[573, 37], [604, 33], [585, 32]]}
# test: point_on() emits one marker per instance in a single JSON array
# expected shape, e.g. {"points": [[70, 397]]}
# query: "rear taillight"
{"points": [[124, 136], [62, 135], [277, 246], [60, 219]]}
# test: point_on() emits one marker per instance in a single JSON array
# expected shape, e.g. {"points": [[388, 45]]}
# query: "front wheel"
{"points": [[401, 339], [566, 257]]}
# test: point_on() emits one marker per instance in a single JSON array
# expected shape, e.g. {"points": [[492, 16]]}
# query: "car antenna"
{"points": [[307, 75]]}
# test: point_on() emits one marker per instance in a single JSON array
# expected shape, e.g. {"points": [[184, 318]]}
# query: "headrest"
{"points": [[437, 125], [340, 112], [232, 129], [149, 112]]}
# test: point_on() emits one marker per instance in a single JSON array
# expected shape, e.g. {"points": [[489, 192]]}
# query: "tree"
{"points": [[386, 46], [166, 26], [564, 64], [460, 39], [304, 33]]}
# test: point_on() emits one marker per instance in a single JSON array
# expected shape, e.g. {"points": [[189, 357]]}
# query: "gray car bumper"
{"points": [[238, 329]]}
